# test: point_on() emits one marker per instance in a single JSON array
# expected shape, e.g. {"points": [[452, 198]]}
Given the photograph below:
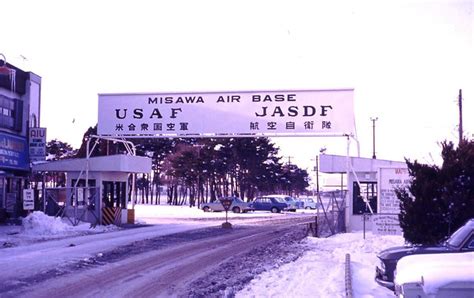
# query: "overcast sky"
{"points": [[406, 60]]}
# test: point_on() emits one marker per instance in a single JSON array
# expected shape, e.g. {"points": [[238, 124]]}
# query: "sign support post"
{"points": [[226, 203]]}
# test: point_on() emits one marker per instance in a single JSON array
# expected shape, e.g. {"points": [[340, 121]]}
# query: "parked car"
{"points": [[291, 202], [275, 204], [309, 203], [237, 206], [435, 275], [460, 241]]}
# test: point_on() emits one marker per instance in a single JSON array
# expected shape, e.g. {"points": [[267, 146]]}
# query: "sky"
{"points": [[405, 59], [323, 261]]}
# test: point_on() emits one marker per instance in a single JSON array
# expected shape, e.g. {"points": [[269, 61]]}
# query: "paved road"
{"points": [[165, 266]]}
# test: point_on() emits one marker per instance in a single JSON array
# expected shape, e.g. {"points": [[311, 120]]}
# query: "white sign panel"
{"points": [[28, 199], [389, 180], [386, 224], [248, 113], [37, 143]]}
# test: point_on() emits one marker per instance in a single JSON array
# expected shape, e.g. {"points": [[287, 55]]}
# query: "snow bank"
{"points": [[38, 223], [320, 271]]}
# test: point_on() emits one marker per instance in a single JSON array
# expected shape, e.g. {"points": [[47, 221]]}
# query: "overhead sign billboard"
{"points": [[227, 114]]}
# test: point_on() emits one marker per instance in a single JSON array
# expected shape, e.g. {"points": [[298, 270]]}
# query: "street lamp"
{"points": [[373, 135]]}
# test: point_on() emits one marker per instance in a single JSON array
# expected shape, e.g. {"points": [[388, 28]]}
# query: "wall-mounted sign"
{"points": [[13, 152], [37, 143], [389, 180], [227, 114]]}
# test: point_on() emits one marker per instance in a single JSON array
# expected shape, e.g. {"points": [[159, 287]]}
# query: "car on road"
{"points": [[275, 204], [460, 241], [237, 206]]}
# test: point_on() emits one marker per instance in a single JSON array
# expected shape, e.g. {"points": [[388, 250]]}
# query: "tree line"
{"points": [[195, 170]]}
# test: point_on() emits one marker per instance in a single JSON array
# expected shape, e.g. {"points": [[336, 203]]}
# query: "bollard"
{"points": [[348, 276]]}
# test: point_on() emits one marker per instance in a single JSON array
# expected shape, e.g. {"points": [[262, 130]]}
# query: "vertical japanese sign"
{"points": [[227, 114], [37, 144]]}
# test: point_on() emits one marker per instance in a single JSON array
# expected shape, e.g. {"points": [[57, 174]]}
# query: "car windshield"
{"points": [[457, 237], [238, 200], [289, 199], [281, 200]]}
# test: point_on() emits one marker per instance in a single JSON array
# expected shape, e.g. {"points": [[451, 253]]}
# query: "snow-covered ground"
{"points": [[318, 273]]}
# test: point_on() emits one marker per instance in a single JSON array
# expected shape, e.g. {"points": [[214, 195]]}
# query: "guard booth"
{"points": [[370, 183], [103, 199]]}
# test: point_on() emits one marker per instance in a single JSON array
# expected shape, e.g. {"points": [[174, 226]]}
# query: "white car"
{"points": [[310, 203]]}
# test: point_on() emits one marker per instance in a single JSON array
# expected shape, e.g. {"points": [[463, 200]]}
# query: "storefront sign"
{"points": [[37, 143], [227, 114], [13, 152]]}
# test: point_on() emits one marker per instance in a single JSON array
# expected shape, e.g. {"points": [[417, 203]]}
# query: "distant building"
{"points": [[20, 101]]}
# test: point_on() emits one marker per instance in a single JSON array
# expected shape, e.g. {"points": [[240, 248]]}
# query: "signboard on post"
{"points": [[28, 199], [227, 114], [37, 144], [226, 203], [386, 221], [389, 180]]}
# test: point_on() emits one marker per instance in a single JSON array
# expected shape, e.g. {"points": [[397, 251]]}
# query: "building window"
{"points": [[367, 192], [10, 113]]}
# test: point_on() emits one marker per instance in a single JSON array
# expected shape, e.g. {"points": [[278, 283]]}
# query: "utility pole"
{"points": [[373, 135], [460, 115], [317, 174], [289, 159]]}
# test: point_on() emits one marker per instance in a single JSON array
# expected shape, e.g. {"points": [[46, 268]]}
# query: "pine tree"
{"points": [[439, 200]]}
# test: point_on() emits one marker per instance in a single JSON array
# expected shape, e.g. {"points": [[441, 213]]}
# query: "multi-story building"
{"points": [[20, 100]]}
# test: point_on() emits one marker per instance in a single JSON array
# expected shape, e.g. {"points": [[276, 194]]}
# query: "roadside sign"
{"points": [[28, 199], [226, 202]]}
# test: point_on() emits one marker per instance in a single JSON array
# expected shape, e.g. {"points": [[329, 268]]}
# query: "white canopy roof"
{"points": [[110, 163], [333, 164]]}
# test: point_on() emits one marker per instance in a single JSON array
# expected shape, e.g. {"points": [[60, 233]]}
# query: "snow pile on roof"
{"points": [[38, 223], [434, 271]]}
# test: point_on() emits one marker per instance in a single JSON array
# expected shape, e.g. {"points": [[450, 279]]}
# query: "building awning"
{"points": [[109, 163]]}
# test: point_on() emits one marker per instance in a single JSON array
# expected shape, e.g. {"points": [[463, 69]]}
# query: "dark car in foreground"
{"points": [[274, 204], [460, 241], [237, 206]]}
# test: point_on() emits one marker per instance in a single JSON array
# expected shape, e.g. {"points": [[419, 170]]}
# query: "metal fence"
{"points": [[331, 216], [75, 203]]}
